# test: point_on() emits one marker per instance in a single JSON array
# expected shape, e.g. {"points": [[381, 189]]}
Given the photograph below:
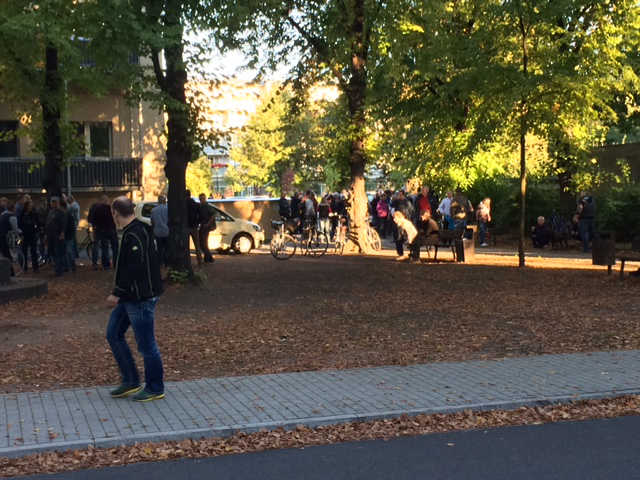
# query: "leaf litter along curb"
{"points": [[255, 315], [301, 436]]}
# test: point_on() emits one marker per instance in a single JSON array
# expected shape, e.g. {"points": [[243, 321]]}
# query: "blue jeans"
{"points": [[103, 240], [140, 316], [482, 231], [585, 227], [70, 255]]}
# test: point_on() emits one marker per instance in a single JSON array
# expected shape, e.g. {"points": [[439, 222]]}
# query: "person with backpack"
{"points": [[460, 210], [382, 214], [137, 287]]}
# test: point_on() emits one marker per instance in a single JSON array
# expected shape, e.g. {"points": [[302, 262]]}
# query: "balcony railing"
{"points": [[81, 174]]}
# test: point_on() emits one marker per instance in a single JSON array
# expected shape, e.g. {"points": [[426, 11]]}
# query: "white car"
{"points": [[231, 233]]}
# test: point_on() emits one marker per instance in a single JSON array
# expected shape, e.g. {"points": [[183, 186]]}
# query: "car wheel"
{"points": [[243, 243]]}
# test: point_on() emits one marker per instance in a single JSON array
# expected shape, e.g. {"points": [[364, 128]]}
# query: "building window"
{"points": [[8, 139], [100, 139]]}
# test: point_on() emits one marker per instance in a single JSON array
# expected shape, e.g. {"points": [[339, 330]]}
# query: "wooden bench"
{"points": [[626, 256], [443, 239]]}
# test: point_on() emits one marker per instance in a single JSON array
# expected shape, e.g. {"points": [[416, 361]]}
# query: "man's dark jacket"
{"points": [[137, 269]]}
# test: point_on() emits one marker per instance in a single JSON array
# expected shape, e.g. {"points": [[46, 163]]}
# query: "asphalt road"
{"points": [[595, 449]]}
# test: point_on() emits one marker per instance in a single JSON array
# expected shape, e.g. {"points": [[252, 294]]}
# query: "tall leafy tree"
{"points": [[339, 41], [42, 50], [479, 70]]}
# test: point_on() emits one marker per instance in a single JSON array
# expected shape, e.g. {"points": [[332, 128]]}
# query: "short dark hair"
{"points": [[124, 206]]}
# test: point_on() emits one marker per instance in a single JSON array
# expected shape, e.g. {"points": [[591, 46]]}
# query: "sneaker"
{"points": [[145, 396], [401, 258], [125, 390], [484, 244]]}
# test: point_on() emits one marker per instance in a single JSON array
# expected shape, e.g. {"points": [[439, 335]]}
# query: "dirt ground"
{"points": [[254, 314]]}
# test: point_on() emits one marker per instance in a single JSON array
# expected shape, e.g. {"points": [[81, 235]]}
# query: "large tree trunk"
{"points": [[179, 148], [356, 95], [52, 99], [523, 146]]}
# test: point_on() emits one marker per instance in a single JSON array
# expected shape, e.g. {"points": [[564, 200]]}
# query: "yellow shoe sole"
{"points": [[149, 398], [128, 392]]}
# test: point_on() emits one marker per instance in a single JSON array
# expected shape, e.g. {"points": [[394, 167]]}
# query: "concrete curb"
{"points": [[311, 422]]}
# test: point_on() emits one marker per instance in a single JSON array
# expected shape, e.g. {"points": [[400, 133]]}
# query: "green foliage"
{"points": [[617, 211], [261, 156], [199, 178]]}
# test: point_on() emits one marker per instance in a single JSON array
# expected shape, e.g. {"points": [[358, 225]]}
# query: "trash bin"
{"points": [[603, 249], [466, 247]]}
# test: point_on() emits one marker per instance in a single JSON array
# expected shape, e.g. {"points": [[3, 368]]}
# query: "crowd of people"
{"points": [[304, 209], [558, 230], [392, 213], [48, 232], [405, 216]]}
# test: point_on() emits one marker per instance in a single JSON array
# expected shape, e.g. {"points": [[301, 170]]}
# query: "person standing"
{"points": [[137, 287], [160, 224], [74, 209], [586, 212], [323, 215], [284, 208], [8, 223], [445, 209], [104, 231], [28, 223], [483, 217], [193, 222], [207, 224], [55, 228], [69, 235]]}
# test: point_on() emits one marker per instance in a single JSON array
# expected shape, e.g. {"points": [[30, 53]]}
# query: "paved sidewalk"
{"points": [[76, 418]]}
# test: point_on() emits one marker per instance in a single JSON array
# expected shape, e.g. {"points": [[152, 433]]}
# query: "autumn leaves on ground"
{"points": [[254, 314]]}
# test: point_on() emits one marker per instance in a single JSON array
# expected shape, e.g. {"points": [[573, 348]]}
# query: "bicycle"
{"points": [[372, 238], [315, 242], [283, 245], [14, 240], [87, 243]]}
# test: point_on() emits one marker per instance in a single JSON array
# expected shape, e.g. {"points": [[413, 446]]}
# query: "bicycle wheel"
{"points": [[318, 244], [282, 247], [89, 248], [374, 239]]}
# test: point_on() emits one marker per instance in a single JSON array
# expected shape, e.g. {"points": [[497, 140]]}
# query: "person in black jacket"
{"points": [[193, 222], [55, 228], [28, 222], [137, 287], [284, 207]]}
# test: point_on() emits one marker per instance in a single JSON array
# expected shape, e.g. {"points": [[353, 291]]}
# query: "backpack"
{"points": [[382, 209]]}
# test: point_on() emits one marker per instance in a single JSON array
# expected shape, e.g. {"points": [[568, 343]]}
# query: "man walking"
{"points": [[207, 223], [137, 287], [160, 224]]}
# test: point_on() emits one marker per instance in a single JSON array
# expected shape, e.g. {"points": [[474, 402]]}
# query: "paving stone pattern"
{"points": [[76, 418]]}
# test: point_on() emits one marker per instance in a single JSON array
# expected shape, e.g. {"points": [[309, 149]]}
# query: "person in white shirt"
{"points": [[445, 209]]}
